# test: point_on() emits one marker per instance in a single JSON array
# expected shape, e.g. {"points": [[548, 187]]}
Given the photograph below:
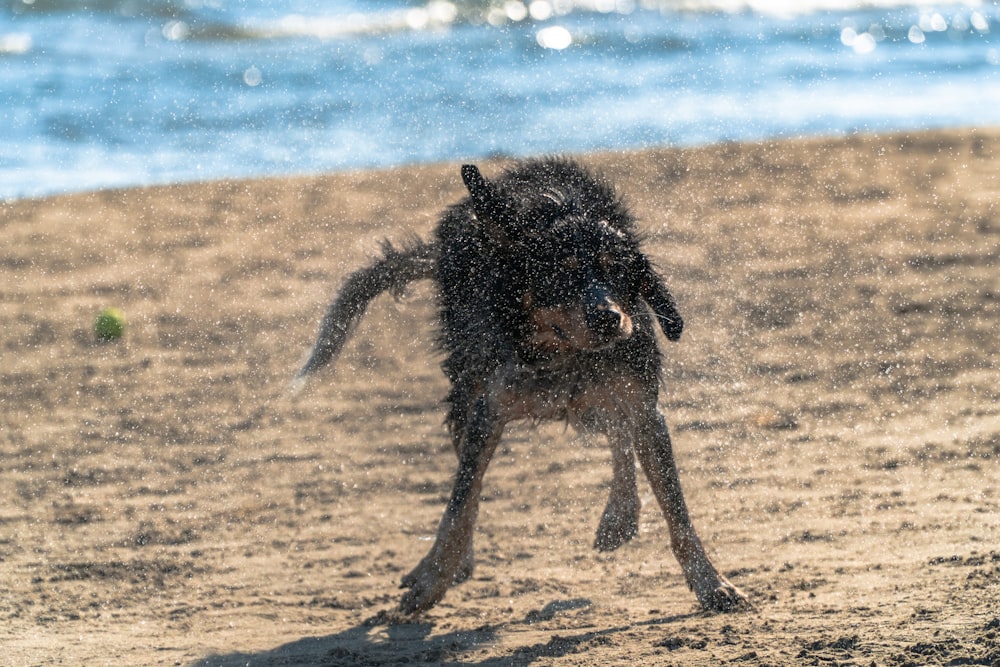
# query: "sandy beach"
{"points": [[834, 402]]}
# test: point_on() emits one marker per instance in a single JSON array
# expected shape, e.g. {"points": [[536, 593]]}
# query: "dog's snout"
{"points": [[605, 317]]}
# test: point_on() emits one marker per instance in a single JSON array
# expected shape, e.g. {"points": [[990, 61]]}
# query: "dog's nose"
{"points": [[605, 322], [605, 318]]}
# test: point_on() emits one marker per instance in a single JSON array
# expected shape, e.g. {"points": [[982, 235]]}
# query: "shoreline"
{"points": [[821, 139]]}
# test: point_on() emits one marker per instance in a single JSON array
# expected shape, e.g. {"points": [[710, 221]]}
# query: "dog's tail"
{"points": [[392, 272]]}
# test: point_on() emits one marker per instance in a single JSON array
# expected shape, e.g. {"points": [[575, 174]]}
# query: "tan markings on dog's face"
{"points": [[559, 329], [565, 328]]}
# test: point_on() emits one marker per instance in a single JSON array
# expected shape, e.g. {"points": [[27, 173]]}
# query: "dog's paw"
{"points": [[431, 579], [466, 567], [616, 528], [619, 521], [427, 584], [725, 597]]}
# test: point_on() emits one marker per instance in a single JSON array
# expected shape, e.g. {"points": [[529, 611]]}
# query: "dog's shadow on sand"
{"points": [[385, 640]]}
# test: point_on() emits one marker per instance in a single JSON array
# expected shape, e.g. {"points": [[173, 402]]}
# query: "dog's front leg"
{"points": [[429, 581], [468, 565], [620, 520], [657, 459]]}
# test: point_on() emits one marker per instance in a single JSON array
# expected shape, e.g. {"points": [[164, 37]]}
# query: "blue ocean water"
{"points": [[128, 92]]}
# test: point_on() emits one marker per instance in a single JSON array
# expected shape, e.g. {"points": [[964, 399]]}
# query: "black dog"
{"points": [[545, 299]]}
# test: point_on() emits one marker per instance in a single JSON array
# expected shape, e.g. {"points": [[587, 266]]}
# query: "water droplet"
{"points": [[252, 76], [176, 31]]}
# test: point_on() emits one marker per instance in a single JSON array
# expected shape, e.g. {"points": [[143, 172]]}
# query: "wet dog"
{"points": [[547, 305]]}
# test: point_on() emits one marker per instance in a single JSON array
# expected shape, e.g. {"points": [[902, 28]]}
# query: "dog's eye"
{"points": [[570, 263], [617, 267]]}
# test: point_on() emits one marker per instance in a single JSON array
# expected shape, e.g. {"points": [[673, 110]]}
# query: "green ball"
{"points": [[110, 324]]}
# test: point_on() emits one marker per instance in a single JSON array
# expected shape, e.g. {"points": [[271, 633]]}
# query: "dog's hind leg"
{"points": [[430, 580], [656, 456], [620, 520]]}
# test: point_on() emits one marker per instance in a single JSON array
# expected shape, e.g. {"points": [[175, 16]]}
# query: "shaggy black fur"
{"points": [[550, 230], [547, 305]]}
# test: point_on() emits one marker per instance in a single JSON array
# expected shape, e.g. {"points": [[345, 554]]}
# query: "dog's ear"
{"points": [[481, 191], [661, 301], [489, 205]]}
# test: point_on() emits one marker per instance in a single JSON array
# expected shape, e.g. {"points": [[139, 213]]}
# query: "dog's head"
{"points": [[574, 263]]}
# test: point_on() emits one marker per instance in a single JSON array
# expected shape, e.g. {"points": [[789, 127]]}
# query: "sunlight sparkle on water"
{"points": [[979, 22], [861, 43], [556, 37], [540, 10], [15, 43]]}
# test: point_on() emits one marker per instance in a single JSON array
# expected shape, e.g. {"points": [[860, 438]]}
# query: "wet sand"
{"points": [[834, 406]]}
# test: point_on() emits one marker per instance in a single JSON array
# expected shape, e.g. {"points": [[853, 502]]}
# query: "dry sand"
{"points": [[834, 402]]}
